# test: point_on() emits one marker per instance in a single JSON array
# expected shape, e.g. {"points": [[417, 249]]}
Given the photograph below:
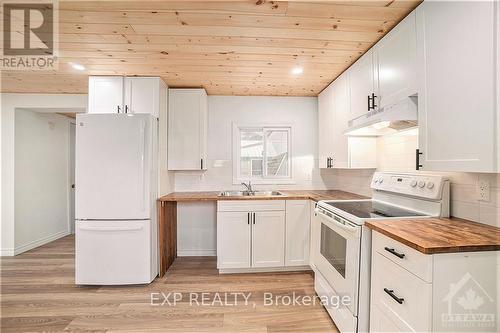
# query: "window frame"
{"points": [[264, 179]]}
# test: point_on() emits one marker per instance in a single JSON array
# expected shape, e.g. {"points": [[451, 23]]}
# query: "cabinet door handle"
{"points": [[248, 218], [118, 108], [253, 218], [201, 164], [126, 108], [394, 297], [369, 103], [373, 101], [399, 255], [417, 159]]}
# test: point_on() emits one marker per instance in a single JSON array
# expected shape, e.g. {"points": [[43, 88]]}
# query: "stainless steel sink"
{"points": [[249, 194]]}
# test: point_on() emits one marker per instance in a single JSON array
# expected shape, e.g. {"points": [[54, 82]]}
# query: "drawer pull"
{"points": [[394, 297], [399, 255]]}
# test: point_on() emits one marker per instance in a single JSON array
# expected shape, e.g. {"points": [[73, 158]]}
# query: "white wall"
{"points": [[9, 104], [41, 178]]}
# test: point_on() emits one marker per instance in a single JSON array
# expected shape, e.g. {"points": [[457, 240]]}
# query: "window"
{"points": [[261, 154]]}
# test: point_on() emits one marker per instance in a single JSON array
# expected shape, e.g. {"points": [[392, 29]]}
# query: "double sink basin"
{"points": [[249, 194]]}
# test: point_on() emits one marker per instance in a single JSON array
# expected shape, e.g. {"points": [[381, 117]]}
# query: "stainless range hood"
{"points": [[390, 119]]}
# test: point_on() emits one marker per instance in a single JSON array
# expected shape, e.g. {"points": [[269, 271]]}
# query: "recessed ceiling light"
{"points": [[297, 70], [77, 66]]}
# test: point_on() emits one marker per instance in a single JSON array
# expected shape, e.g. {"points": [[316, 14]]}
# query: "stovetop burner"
{"points": [[371, 209]]}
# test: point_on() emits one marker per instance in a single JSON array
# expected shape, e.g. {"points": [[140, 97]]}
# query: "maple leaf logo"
{"points": [[470, 301]]}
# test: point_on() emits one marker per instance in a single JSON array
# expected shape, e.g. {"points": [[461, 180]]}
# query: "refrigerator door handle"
{"points": [[142, 175], [136, 228]]}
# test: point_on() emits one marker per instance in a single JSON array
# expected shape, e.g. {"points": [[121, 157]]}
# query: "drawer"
{"points": [[249, 205], [414, 261], [409, 308]]}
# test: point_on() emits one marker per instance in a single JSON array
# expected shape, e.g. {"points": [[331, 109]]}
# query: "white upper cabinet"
{"points": [[395, 59], [105, 94], [325, 126], [458, 93], [336, 150], [362, 85], [118, 94], [143, 95], [187, 129]]}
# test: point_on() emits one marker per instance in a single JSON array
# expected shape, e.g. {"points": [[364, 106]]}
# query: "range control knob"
{"points": [[421, 184], [430, 185], [381, 180], [413, 183]]}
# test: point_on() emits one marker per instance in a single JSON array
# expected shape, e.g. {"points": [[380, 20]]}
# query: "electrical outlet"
{"points": [[484, 191]]}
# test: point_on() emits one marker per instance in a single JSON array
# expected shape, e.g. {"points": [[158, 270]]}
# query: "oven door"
{"points": [[337, 255]]}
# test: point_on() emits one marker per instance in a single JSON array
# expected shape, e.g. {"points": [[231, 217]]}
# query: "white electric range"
{"points": [[341, 254]]}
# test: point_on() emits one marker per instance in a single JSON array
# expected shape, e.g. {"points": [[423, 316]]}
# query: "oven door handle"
{"points": [[346, 227]]}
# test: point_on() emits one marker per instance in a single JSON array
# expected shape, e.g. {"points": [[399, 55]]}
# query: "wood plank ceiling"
{"points": [[227, 47]]}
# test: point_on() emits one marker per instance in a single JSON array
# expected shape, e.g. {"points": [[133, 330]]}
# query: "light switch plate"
{"points": [[484, 191]]}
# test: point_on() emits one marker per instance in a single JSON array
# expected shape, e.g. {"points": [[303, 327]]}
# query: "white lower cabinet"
{"points": [[416, 292], [298, 222], [261, 234], [268, 239], [233, 239]]}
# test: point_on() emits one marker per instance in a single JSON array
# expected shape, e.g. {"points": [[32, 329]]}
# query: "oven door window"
{"points": [[333, 248]]}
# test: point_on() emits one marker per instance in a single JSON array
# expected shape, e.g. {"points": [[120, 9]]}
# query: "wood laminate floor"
{"points": [[38, 295]]}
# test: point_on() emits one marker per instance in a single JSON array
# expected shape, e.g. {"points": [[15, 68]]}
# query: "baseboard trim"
{"points": [[9, 252], [196, 253], [39, 242], [265, 269]]}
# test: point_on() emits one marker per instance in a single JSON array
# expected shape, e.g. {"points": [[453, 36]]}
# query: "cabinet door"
{"points": [[361, 84], [396, 63], [298, 226], [105, 94], [325, 125], [187, 129], [142, 95], [233, 240], [456, 78], [342, 115], [268, 239]]}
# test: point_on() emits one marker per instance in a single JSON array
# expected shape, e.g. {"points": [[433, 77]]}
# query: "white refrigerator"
{"points": [[116, 190]]}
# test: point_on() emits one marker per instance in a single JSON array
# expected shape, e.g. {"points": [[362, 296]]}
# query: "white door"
{"points": [[361, 84], [396, 63], [456, 78], [105, 94], [342, 116], [142, 95], [113, 154], [298, 226], [325, 126], [268, 239], [113, 252], [187, 124], [233, 239], [72, 148]]}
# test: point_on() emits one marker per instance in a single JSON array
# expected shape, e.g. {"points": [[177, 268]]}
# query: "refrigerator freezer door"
{"points": [[113, 167], [113, 252]]}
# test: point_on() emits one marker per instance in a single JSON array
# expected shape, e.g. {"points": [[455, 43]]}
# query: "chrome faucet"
{"points": [[249, 187]]}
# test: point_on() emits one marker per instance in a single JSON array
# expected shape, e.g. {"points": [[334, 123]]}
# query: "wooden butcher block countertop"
{"points": [[440, 235], [315, 195]]}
